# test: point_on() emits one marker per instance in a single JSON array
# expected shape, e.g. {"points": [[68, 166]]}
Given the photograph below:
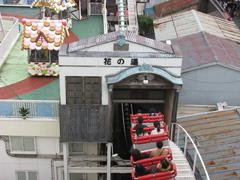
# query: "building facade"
{"points": [[101, 82]]}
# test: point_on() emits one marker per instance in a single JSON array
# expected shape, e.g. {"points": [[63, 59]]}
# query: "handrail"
{"points": [[185, 147], [217, 5]]}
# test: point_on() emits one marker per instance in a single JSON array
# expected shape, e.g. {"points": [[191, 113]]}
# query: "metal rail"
{"points": [[196, 152]]}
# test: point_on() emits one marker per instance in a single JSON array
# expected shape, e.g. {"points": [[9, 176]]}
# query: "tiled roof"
{"points": [[43, 34], [192, 22], [218, 135], [57, 5], [203, 48], [129, 36]]}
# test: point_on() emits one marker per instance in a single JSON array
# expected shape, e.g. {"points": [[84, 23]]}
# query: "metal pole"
{"points": [[109, 147], [65, 161], [178, 129], [185, 145], [194, 162]]}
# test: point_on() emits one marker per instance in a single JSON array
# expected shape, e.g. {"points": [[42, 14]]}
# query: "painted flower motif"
{"points": [[43, 69]]}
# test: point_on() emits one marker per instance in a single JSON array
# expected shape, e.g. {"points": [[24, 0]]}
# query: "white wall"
{"points": [[9, 165], [210, 85], [47, 145], [30, 127]]}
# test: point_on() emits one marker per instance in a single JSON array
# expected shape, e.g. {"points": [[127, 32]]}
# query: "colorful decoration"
{"points": [[43, 34], [56, 5], [43, 69]]}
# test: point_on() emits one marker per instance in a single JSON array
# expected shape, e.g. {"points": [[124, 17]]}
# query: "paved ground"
{"points": [[25, 86], [15, 67], [89, 27]]}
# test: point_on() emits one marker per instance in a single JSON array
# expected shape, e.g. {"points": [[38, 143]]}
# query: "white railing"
{"points": [[37, 108], [218, 6], [9, 40], [187, 138]]}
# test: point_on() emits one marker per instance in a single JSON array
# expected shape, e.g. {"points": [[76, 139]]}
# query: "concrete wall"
{"points": [[9, 165], [29, 127], [211, 85]]}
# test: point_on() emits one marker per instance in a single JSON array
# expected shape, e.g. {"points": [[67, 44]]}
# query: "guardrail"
{"points": [[187, 138], [37, 108], [9, 40]]}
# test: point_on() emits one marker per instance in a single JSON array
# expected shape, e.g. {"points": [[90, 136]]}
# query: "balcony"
{"points": [[42, 119]]}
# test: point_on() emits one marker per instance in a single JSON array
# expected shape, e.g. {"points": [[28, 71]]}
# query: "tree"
{"points": [[145, 24]]}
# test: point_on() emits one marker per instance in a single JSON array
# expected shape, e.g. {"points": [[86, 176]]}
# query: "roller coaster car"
{"points": [[161, 136], [147, 118], [157, 176], [153, 160], [148, 130]]}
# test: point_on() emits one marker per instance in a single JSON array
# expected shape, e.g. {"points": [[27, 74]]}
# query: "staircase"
{"points": [[132, 16], [184, 171]]}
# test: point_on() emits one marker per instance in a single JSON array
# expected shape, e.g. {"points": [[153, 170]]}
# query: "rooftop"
{"points": [[191, 22], [218, 135], [204, 49]]}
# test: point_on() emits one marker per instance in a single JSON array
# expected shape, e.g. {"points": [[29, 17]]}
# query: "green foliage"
{"points": [[145, 24], [24, 112]]}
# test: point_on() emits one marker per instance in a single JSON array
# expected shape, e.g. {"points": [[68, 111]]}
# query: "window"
{"points": [[83, 90], [22, 145], [27, 175], [76, 148], [78, 176], [43, 55]]}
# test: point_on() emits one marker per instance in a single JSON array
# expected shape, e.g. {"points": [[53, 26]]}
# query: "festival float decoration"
{"points": [[43, 38], [56, 5]]}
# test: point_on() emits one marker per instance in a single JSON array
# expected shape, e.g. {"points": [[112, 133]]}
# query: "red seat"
{"points": [[149, 138], [152, 160], [157, 176], [146, 129], [147, 118]]}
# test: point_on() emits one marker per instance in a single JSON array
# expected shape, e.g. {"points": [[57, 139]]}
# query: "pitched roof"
{"points": [[43, 34], [113, 36], [217, 134], [192, 22], [203, 48]]}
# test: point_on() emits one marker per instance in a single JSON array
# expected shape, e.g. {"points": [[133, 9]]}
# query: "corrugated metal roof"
{"points": [[203, 48], [191, 22], [219, 138], [129, 36]]}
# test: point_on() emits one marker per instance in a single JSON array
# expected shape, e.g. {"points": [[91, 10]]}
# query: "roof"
{"points": [[218, 137], [129, 36], [203, 48], [43, 34], [192, 22], [57, 5]]}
